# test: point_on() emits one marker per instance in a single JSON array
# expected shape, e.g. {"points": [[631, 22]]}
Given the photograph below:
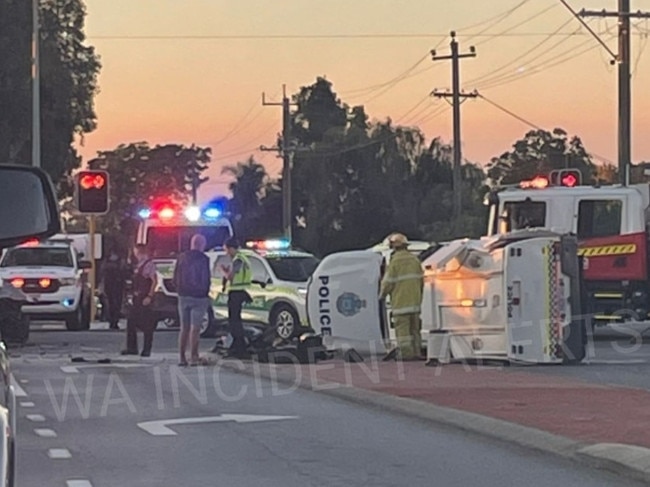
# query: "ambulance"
{"points": [[167, 229]]}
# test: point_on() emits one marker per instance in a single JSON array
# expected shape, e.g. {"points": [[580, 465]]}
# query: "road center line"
{"points": [[78, 483], [59, 453], [27, 404], [37, 418]]}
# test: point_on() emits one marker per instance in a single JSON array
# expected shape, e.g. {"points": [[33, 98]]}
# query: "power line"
{"points": [[299, 37], [531, 124]]}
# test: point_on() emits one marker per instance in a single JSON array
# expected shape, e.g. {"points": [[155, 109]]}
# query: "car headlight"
{"points": [[302, 291], [68, 281]]}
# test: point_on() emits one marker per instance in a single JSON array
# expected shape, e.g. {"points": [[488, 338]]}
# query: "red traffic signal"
{"points": [[92, 192], [566, 177]]}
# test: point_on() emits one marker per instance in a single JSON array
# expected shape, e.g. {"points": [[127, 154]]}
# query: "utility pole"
{"points": [[36, 86], [287, 152], [624, 82], [456, 95]]}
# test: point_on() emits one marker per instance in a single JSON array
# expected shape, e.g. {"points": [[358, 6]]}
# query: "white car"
{"points": [[279, 285], [51, 275]]}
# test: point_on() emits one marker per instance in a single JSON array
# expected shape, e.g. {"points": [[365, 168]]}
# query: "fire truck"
{"points": [[611, 224]]}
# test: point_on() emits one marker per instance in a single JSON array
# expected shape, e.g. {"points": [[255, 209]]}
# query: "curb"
{"points": [[626, 460]]}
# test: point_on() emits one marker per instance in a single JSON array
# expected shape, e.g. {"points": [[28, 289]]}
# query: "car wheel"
{"points": [[74, 321], [285, 320]]}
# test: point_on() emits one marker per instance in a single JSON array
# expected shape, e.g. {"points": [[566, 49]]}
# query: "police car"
{"points": [[51, 275], [279, 286]]}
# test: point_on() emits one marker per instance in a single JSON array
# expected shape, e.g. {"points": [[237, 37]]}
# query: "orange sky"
{"points": [[179, 89]]}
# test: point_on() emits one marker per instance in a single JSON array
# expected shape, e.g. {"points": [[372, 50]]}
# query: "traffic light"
{"points": [[92, 192], [566, 177]]}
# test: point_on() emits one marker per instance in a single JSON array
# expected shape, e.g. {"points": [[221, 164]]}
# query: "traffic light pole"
{"points": [[93, 268], [36, 86]]}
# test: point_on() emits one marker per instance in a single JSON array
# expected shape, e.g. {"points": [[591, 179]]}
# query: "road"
{"points": [[109, 432]]}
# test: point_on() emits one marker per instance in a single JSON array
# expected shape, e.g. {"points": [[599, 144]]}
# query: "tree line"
{"points": [[354, 179]]}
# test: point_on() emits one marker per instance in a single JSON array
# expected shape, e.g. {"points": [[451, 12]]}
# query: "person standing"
{"points": [[239, 278], [192, 281], [140, 314], [113, 276], [404, 282]]}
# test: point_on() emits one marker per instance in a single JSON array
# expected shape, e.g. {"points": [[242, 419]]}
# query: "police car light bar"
{"points": [[538, 182], [269, 244], [193, 213]]}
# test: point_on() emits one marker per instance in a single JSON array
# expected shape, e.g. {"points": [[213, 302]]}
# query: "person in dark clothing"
{"points": [[113, 277], [140, 314], [192, 281], [239, 279]]}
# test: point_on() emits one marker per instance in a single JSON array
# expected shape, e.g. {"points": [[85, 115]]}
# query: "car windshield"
{"points": [[169, 241], [293, 269], [38, 256]]}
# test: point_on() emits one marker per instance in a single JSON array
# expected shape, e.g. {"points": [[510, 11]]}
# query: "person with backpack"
{"points": [[192, 281]]}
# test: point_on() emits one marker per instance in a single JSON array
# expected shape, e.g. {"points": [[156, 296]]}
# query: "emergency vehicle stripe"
{"points": [[406, 310], [607, 250]]}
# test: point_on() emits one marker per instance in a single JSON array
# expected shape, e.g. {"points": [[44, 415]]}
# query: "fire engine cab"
{"points": [[611, 224]]}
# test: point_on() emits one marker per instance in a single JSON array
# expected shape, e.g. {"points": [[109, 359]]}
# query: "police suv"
{"points": [[52, 276], [279, 287]]}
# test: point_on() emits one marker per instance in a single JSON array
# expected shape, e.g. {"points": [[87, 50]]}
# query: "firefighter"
{"points": [[239, 277], [404, 282]]}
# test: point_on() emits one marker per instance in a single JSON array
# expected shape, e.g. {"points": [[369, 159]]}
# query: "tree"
{"points": [[140, 174], [539, 152], [69, 70]]}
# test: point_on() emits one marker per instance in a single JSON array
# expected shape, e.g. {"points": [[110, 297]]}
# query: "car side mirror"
{"points": [[28, 205], [85, 264]]}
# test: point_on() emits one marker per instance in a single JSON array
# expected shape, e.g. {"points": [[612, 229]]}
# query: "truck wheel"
{"points": [[285, 320], [75, 320]]}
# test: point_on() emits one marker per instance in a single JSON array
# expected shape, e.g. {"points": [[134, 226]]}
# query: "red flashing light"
{"points": [[30, 243], [166, 213], [45, 282], [538, 182]]}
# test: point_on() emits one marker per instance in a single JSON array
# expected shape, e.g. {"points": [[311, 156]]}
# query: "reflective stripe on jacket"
{"points": [[243, 276], [403, 281]]}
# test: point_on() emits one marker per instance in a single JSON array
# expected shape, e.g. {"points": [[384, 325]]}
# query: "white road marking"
{"points": [[37, 418], [27, 404], [20, 392], [45, 433], [160, 428], [615, 362], [78, 483], [74, 369], [24, 381], [59, 453]]}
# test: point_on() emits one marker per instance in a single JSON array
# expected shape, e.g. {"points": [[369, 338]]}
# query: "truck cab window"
{"points": [[518, 215], [599, 218]]}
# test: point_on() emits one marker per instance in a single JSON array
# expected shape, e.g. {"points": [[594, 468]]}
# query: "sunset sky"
{"points": [[158, 84]]}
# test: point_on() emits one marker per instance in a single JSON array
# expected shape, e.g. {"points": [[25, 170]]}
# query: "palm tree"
{"points": [[247, 189]]}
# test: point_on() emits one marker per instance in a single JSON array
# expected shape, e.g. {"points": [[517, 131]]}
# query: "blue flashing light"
{"points": [[144, 213], [68, 303], [212, 212]]}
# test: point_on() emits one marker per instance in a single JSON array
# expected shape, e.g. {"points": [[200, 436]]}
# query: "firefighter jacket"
{"points": [[403, 282]]}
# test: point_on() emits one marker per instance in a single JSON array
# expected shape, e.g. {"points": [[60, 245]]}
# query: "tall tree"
{"points": [[140, 174], [69, 70], [539, 152]]}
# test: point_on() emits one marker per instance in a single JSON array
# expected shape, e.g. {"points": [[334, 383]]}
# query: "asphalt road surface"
{"points": [[233, 430]]}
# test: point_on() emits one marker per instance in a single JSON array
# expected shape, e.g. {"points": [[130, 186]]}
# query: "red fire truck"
{"points": [[611, 223]]}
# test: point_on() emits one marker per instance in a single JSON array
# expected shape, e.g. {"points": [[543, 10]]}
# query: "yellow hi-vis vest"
{"points": [[243, 277], [403, 281]]}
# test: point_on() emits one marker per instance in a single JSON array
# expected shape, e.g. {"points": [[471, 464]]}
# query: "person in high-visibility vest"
{"points": [[239, 278], [404, 282]]}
